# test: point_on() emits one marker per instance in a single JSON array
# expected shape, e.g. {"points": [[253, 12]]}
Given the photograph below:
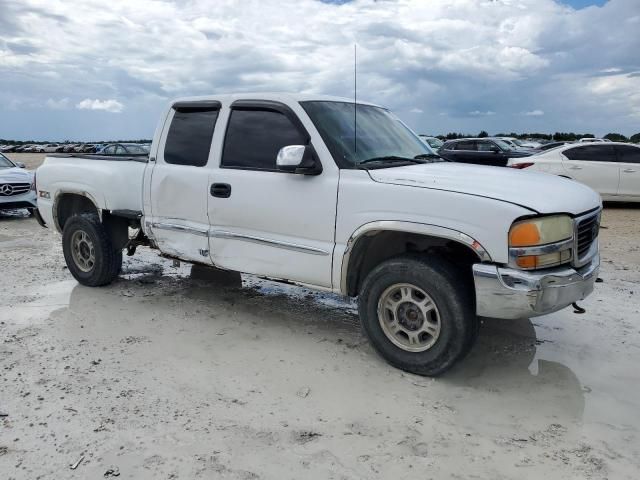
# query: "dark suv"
{"points": [[482, 151]]}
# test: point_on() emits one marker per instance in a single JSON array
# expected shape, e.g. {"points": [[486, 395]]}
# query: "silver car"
{"points": [[16, 186]]}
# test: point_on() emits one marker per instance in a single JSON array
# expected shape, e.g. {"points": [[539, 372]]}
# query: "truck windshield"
{"points": [[379, 134]]}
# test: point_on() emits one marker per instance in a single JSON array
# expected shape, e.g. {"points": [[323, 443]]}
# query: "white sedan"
{"points": [[611, 169]]}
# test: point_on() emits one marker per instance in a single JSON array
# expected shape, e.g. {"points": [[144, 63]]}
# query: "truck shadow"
{"points": [[509, 360]]}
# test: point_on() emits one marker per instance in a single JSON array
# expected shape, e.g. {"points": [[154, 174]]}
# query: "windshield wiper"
{"points": [[391, 159], [433, 157]]}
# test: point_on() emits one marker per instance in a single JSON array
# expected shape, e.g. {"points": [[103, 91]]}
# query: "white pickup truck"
{"points": [[286, 187]]}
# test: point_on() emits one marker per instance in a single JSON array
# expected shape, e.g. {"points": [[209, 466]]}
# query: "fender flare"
{"points": [[81, 193], [407, 227]]}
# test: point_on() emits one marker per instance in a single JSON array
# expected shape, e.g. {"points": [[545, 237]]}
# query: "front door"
{"points": [[595, 166], [489, 153], [629, 164], [179, 182], [265, 221]]}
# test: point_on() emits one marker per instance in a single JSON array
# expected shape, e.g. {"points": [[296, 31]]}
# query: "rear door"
{"points": [[466, 151], [594, 165], [629, 164], [265, 221], [180, 183]]}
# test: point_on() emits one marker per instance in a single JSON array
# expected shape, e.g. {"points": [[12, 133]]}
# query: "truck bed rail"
{"points": [[138, 157]]}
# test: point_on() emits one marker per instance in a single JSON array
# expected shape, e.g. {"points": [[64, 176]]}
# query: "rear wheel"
{"points": [[419, 313], [89, 252]]}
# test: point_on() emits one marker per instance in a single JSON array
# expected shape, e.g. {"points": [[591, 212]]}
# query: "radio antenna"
{"points": [[355, 99]]}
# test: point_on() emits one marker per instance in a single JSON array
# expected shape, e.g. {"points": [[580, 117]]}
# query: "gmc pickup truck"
{"points": [[288, 188]]}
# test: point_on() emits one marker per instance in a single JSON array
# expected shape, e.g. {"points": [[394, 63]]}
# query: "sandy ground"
{"points": [[171, 373]]}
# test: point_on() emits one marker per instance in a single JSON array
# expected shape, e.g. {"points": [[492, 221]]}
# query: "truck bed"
{"points": [[110, 182]]}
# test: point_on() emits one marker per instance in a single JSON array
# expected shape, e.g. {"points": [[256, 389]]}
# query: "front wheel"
{"points": [[89, 252], [419, 313]]}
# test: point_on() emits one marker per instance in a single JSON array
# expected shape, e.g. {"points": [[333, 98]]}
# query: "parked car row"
{"points": [[51, 148], [610, 168], [122, 148]]}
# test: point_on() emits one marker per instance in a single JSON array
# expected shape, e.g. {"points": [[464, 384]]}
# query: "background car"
{"points": [[482, 151], [434, 142], [50, 148], [518, 144], [593, 140], [550, 145], [611, 169], [69, 148], [16, 186], [123, 149]]}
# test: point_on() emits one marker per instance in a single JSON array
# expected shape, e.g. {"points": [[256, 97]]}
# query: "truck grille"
{"points": [[9, 189], [586, 233]]}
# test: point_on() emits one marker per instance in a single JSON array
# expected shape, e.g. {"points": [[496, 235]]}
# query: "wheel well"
{"points": [[70, 204], [374, 248]]}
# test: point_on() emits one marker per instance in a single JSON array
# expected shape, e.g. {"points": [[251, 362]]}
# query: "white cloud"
{"points": [[478, 113], [465, 58], [533, 113], [110, 105], [416, 110]]}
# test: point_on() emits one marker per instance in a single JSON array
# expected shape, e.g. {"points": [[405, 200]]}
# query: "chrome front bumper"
{"points": [[510, 293]]}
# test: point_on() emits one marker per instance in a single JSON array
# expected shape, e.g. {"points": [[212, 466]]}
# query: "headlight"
{"points": [[541, 242]]}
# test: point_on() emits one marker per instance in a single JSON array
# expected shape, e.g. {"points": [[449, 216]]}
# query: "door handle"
{"points": [[220, 190], [575, 167], [628, 170]]}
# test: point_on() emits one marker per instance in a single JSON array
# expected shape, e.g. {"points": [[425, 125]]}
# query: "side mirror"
{"points": [[300, 159], [20, 165]]}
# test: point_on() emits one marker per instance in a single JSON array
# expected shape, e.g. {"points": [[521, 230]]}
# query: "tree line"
{"points": [[557, 136]]}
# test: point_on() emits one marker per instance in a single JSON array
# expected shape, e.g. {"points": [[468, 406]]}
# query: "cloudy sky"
{"points": [[92, 69]]}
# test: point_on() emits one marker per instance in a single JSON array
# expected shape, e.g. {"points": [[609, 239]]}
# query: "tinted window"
{"points": [[120, 150], [466, 145], [628, 154], [110, 150], [254, 138], [485, 146], [591, 153], [189, 138]]}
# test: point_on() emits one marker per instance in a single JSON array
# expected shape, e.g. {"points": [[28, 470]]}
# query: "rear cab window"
{"points": [[189, 138]]}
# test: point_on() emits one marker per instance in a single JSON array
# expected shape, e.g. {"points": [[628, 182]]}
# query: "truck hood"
{"points": [[15, 175], [540, 192]]}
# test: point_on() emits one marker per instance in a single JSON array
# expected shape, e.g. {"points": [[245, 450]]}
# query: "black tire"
{"points": [[108, 260], [452, 292]]}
